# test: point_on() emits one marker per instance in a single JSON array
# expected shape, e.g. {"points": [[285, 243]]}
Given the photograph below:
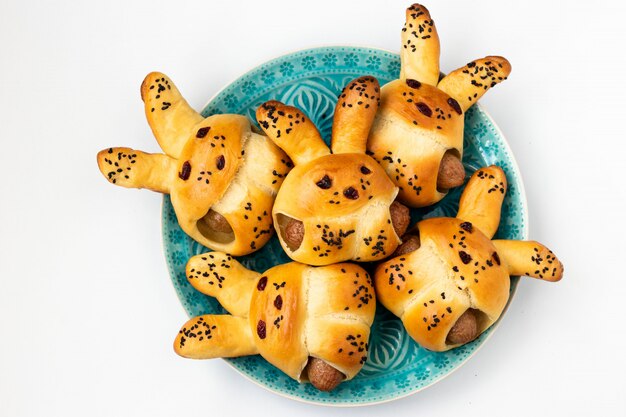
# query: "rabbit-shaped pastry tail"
{"points": [[135, 169], [215, 336], [354, 115], [481, 201], [168, 114], [291, 130], [420, 47], [531, 259], [219, 275], [468, 84]]}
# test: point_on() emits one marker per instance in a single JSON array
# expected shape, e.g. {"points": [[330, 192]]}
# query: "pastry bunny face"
{"points": [[333, 207], [454, 283], [421, 117], [221, 176], [331, 308]]}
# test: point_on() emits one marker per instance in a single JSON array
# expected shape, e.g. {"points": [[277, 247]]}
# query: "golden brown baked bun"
{"points": [[455, 282], [222, 176], [332, 207], [289, 314], [417, 135]]}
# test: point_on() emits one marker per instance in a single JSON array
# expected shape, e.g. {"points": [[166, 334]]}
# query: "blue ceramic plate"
{"points": [[311, 80]]}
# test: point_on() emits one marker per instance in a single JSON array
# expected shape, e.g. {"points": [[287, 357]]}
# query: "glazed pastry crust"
{"points": [[292, 130], [215, 336], [242, 193], [342, 199], [216, 163], [469, 83], [530, 258], [420, 117], [481, 201], [161, 97], [457, 267], [409, 143], [217, 274], [336, 226], [306, 311], [130, 168], [280, 331], [443, 286], [354, 114], [420, 46]]}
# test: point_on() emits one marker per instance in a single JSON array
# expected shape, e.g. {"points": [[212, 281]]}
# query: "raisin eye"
{"points": [[413, 83], [220, 162], [185, 171], [365, 170], [202, 132], [325, 183], [424, 109], [351, 193]]}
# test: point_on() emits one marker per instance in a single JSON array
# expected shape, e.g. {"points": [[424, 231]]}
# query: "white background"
{"points": [[87, 310]]}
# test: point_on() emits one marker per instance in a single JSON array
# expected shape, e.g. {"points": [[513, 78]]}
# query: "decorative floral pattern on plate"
{"points": [[311, 80]]}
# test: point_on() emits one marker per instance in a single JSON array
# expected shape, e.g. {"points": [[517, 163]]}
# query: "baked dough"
{"points": [[341, 200], [421, 118], [222, 176], [288, 314], [456, 268]]}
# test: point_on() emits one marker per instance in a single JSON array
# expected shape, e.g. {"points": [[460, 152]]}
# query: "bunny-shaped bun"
{"points": [[313, 323], [418, 132], [222, 176], [340, 206], [450, 281]]}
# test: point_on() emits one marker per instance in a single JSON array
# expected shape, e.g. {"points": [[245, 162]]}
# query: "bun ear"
{"points": [[531, 259], [221, 276], [213, 336], [292, 131], [420, 47], [169, 116], [129, 168], [354, 115], [481, 201], [468, 84]]}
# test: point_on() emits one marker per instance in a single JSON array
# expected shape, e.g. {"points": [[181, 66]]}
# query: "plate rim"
{"points": [[524, 231]]}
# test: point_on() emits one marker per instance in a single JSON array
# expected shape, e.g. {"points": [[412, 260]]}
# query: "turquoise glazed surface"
{"points": [[311, 80]]}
